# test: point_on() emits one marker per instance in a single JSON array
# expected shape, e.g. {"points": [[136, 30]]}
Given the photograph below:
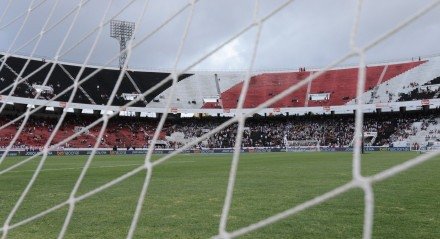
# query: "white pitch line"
{"points": [[107, 166]]}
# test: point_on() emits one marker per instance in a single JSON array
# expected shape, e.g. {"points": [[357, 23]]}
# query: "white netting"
{"points": [[358, 181]]}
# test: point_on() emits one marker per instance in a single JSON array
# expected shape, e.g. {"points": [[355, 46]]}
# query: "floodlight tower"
{"points": [[122, 31]]}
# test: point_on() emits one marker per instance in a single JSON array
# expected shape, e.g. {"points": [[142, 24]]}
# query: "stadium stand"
{"points": [[429, 90], [122, 132], [403, 81], [340, 85], [391, 90], [209, 90], [95, 91], [135, 132]]}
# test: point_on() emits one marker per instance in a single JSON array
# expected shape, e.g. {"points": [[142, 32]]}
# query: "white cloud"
{"points": [[230, 57]]}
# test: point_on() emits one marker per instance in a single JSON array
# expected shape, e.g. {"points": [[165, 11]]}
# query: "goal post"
{"points": [[302, 145]]}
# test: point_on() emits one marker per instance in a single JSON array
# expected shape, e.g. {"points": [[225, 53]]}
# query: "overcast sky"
{"points": [[310, 33]]}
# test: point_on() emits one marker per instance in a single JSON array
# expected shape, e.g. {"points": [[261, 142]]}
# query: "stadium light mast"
{"points": [[122, 31]]}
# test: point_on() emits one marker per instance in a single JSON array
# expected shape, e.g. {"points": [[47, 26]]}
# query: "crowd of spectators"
{"points": [[427, 91], [332, 131], [259, 131], [121, 132], [419, 94]]}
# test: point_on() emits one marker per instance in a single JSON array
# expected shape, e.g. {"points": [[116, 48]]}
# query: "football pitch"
{"points": [[186, 195]]}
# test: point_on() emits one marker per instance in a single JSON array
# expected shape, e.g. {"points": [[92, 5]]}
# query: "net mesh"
{"points": [[358, 180]]}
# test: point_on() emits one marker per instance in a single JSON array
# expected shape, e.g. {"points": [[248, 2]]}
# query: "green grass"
{"points": [[186, 196]]}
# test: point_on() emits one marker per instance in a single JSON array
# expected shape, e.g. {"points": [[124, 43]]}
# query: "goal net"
{"points": [[29, 38]]}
